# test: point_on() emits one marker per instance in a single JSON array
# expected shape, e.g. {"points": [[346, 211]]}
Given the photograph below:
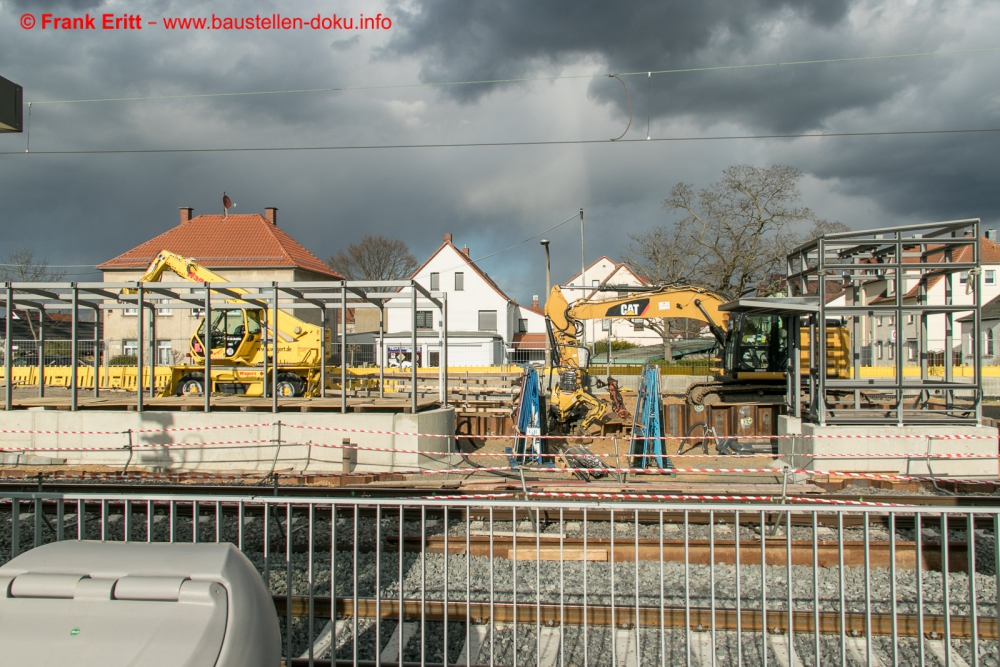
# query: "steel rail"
{"points": [[648, 616]]}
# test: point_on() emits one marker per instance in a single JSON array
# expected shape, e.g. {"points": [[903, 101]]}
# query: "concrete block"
{"points": [[818, 440]]}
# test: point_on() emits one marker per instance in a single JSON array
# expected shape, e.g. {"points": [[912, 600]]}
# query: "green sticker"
{"points": [[74, 632]]}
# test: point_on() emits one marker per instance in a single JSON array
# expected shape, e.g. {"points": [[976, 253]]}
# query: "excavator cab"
{"points": [[234, 335], [756, 344]]}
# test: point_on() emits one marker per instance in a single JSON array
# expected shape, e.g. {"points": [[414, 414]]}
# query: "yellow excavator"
{"points": [[754, 350], [236, 341]]}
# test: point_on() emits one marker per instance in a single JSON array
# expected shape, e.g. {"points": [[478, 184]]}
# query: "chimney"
{"points": [[186, 213], [271, 215], [534, 301], [447, 238], [991, 234], [465, 250]]}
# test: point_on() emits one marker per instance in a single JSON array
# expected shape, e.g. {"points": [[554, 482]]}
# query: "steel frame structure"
{"points": [[328, 295], [903, 259]]}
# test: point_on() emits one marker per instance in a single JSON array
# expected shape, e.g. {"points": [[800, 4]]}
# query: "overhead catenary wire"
{"points": [[439, 84], [497, 144]]}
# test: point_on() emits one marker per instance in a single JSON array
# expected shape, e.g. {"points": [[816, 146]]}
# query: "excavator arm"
{"points": [[570, 401], [671, 301], [294, 337]]}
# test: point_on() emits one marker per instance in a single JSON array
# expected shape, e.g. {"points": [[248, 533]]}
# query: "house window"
{"points": [[991, 277], [197, 312], [878, 349], [911, 351], [891, 348], [963, 277], [459, 281], [130, 347], [595, 283], [163, 307], [131, 312], [435, 359], [638, 325], [989, 342], [878, 321], [605, 325], [435, 282], [909, 319], [892, 320], [522, 325], [487, 320], [425, 319], [164, 353]]}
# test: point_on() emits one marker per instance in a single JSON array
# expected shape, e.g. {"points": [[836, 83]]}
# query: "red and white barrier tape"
{"points": [[343, 429], [682, 497]]}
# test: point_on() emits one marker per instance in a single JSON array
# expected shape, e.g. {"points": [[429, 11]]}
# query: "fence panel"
{"points": [[504, 582]]}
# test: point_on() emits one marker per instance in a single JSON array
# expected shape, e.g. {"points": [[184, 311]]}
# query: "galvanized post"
{"points": [[206, 343], [97, 352], [343, 347], [41, 353], [152, 350], [821, 342], [7, 349], [381, 349], [264, 340], [140, 345], [74, 352], [274, 359], [413, 348], [444, 350], [322, 351]]}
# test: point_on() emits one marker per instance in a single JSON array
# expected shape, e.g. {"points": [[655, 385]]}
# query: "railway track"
{"points": [[33, 485], [776, 621]]}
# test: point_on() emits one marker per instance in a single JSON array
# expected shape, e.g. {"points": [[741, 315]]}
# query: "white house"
{"points": [[880, 331], [485, 326], [600, 276]]}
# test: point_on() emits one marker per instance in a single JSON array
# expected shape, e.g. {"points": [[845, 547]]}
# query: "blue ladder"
{"points": [[647, 449], [528, 423]]}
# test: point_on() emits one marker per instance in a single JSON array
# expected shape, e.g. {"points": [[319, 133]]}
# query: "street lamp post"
{"points": [[548, 288]]}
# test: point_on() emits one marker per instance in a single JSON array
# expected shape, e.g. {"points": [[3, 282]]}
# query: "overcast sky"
{"points": [[84, 209]]}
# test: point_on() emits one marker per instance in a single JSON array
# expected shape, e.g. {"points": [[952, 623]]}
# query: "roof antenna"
{"points": [[227, 204]]}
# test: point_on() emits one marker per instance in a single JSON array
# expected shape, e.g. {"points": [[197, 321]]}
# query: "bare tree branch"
{"points": [[374, 258], [20, 265], [730, 236]]}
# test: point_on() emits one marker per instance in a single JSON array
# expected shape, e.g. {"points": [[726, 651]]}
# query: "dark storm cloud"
{"points": [[461, 41]]}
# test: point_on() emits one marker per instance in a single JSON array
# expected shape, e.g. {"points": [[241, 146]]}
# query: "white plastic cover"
{"points": [[115, 604]]}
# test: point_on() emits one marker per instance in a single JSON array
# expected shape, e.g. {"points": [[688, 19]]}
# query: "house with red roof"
{"points": [[605, 280], [485, 326], [239, 247]]}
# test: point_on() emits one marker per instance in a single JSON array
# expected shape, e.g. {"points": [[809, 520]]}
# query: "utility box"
{"points": [[112, 604], [11, 106]]}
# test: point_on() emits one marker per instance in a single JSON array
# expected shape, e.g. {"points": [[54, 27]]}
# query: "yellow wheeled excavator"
{"points": [[754, 350], [237, 339]]}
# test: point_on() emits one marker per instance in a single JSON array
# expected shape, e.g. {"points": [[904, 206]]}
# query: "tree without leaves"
{"points": [[374, 258], [729, 237], [20, 265]]}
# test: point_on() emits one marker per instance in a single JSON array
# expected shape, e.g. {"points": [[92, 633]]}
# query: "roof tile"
{"points": [[215, 241]]}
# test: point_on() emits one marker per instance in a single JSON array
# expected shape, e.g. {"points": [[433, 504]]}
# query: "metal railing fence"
{"points": [[504, 582]]}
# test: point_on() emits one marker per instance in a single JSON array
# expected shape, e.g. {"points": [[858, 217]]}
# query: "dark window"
{"points": [[435, 359], [487, 320], [638, 325], [435, 282], [425, 318], [522, 326], [459, 281]]}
